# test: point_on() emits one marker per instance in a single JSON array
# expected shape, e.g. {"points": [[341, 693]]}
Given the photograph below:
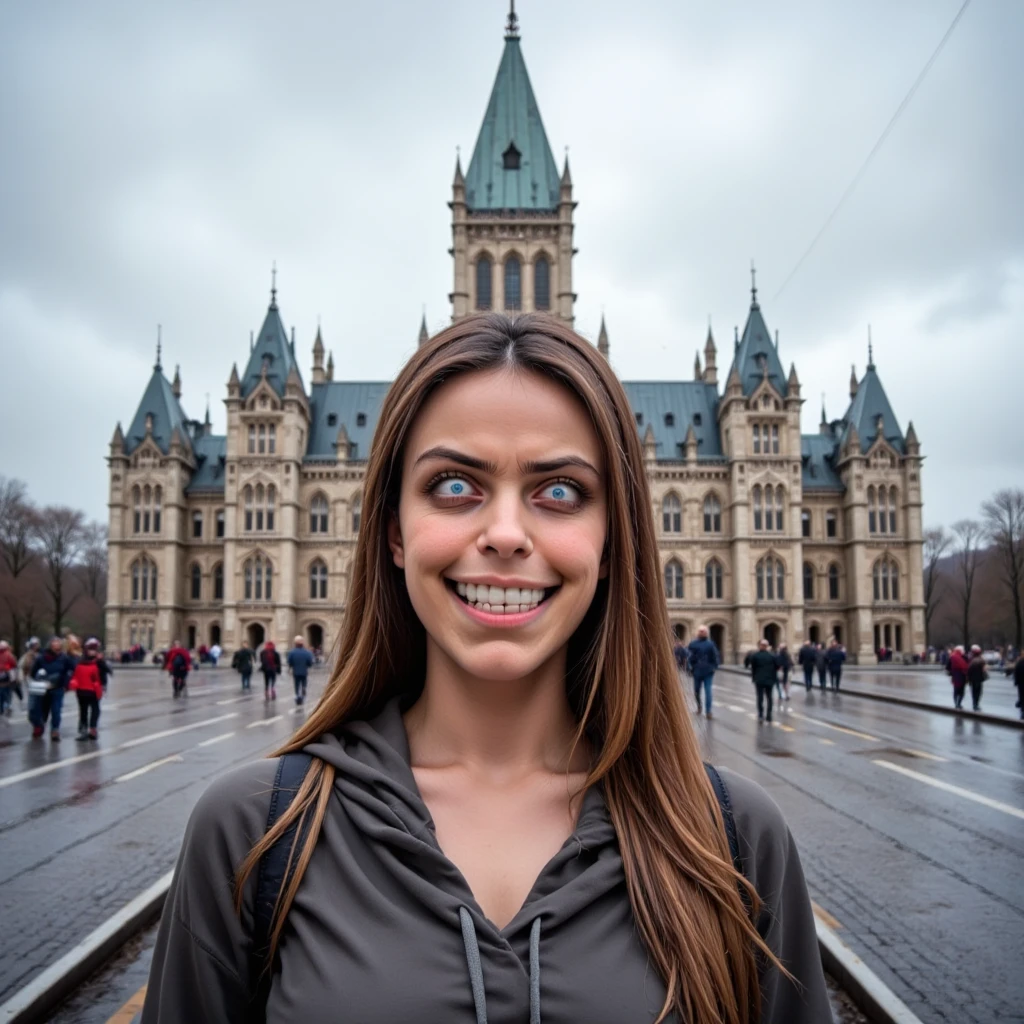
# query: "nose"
{"points": [[504, 531]]}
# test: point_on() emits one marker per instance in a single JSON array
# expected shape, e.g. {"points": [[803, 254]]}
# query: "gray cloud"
{"points": [[159, 157]]}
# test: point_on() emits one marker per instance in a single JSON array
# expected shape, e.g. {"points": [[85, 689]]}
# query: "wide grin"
{"points": [[499, 600]]}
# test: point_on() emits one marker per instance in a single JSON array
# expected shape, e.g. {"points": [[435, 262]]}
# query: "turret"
{"points": [[793, 382], [853, 382], [330, 366], [911, 442], [602, 339], [318, 358], [698, 373], [234, 383], [341, 444], [710, 357], [690, 444], [176, 384], [117, 441], [424, 335], [650, 445]]}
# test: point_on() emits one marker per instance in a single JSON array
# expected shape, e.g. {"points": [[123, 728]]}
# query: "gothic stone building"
{"points": [[764, 531]]}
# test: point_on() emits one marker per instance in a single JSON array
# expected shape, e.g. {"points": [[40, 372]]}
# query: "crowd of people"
{"points": [[769, 669], [41, 678]]}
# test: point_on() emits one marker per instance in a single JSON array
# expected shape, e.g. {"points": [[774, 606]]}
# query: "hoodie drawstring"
{"points": [[476, 971]]}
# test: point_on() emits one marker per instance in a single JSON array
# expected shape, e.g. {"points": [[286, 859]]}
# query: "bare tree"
{"points": [[17, 525], [968, 535], [59, 531], [936, 543], [93, 560], [1003, 518]]}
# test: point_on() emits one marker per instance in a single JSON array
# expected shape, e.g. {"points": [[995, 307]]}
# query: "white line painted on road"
{"points": [[838, 728], [923, 754], [996, 805], [215, 739], [42, 770], [148, 768], [266, 721], [174, 732], [735, 707], [827, 742], [233, 700]]}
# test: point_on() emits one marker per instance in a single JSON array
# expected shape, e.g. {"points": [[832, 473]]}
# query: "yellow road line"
{"points": [[923, 754], [822, 914], [127, 1012], [967, 794]]}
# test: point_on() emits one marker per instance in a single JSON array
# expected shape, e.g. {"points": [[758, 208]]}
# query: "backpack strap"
{"points": [[718, 785], [271, 880]]}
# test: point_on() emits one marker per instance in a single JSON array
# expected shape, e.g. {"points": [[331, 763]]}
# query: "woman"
{"points": [[270, 664], [505, 817], [977, 673], [8, 677], [785, 662], [89, 682]]}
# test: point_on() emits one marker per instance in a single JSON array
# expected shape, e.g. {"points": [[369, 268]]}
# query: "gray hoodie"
{"points": [[384, 928]]}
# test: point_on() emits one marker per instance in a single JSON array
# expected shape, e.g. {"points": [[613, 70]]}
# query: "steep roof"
{"points": [[756, 352], [867, 406], [211, 454], [818, 453], [159, 402], [512, 166], [337, 404], [272, 346], [670, 408]]}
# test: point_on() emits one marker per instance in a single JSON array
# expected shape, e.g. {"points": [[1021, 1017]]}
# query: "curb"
{"points": [[34, 1001], [871, 995]]}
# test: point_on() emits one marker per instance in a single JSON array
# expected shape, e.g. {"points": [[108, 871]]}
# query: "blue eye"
{"points": [[562, 492], [452, 487]]}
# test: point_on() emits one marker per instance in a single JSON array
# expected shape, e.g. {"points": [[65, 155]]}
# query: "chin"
{"points": [[492, 664]]}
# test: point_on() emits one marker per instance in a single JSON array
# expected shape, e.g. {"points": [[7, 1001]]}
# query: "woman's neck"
{"points": [[503, 729]]}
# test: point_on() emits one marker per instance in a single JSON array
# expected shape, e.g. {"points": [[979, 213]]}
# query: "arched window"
{"points": [[357, 513], [158, 497], [318, 581], [833, 582], [712, 514], [318, 515], [808, 581], [892, 510], [771, 579], [218, 582], [195, 575], [671, 514], [885, 578], [257, 575], [872, 510], [483, 282], [758, 508], [513, 283], [673, 580], [541, 283], [713, 580], [137, 509], [780, 506], [271, 500], [144, 580], [247, 501]]}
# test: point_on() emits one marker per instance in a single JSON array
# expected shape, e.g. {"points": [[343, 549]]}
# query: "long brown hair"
{"points": [[685, 892]]}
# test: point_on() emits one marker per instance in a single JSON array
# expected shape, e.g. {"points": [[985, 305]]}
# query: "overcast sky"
{"points": [[158, 158]]}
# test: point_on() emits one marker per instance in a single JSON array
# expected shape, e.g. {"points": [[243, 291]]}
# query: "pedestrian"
{"points": [[834, 658], [88, 683], [1018, 681], [215, 653], [763, 674], [784, 662], [505, 647], [703, 658], [8, 677], [270, 663], [821, 664], [242, 664], [806, 658], [51, 674], [27, 663], [300, 661], [956, 666], [977, 673], [179, 663], [679, 652]]}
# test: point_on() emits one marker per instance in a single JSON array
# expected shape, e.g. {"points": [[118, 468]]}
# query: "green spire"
{"points": [[512, 166]]}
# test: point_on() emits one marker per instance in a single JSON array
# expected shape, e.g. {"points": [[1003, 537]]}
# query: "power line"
{"points": [[877, 146]]}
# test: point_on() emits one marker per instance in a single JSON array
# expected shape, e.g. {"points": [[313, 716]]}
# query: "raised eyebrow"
{"points": [[453, 455], [553, 465]]}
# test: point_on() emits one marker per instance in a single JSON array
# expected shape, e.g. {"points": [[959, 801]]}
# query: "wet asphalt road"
{"points": [[910, 823]]}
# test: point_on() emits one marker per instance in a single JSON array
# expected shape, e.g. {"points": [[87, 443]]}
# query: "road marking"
{"points": [[43, 769], [838, 728], [827, 742], [785, 728], [128, 1012], [996, 805], [923, 754], [233, 700], [266, 721], [148, 768], [735, 707], [174, 732], [216, 739]]}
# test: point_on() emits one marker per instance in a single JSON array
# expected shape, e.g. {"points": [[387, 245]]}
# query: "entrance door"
{"points": [[837, 632], [256, 634], [214, 634], [315, 634], [771, 634], [815, 634], [717, 632], [191, 638]]}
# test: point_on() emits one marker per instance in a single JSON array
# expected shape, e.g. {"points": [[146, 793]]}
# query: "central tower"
{"points": [[512, 213]]}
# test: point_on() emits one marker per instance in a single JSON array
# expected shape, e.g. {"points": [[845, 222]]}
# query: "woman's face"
{"points": [[502, 521]]}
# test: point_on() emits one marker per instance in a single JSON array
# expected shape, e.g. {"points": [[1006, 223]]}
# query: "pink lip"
{"points": [[496, 620], [495, 581]]}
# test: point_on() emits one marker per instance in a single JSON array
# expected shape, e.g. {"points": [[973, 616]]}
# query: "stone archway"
{"points": [[215, 634], [256, 633], [814, 633], [315, 636], [679, 631], [717, 633], [773, 634]]}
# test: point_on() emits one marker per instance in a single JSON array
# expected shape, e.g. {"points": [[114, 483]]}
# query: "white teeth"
{"points": [[471, 591], [500, 600], [511, 595], [496, 595], [461, 588]]}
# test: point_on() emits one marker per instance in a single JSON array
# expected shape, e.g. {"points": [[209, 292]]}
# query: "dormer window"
{"points": [[511, 157], [360, 419], [639, 419], [697, 419], [332, 419], [670, 420]]}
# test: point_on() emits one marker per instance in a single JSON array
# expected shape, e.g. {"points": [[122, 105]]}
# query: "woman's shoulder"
{"points": [[235, 805]]}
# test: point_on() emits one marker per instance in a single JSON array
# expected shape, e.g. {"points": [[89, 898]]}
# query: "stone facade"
{"points": [[763, 531]]}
